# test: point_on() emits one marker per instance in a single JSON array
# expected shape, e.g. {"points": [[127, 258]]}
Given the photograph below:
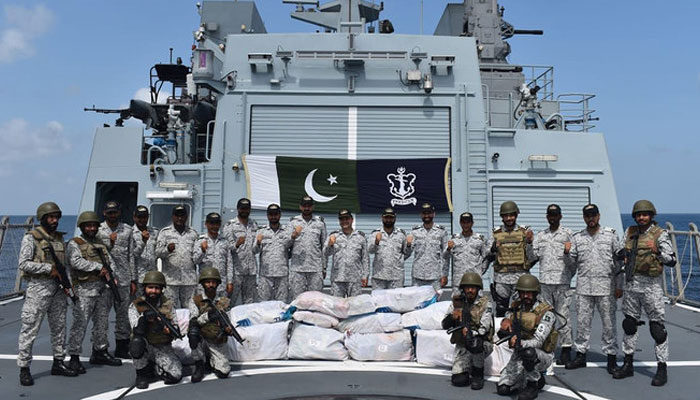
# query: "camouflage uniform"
{"points": [[218, 255], [144, 253], [93, 300], [595, 285], [308, 262], [389, 256], [42, 297], [350, 262], [556, 272], [467, 255], [217, 351], [428, 246], [244, 265], [273, 279], [123, 254], [178, 267], [464, 360], [162, 355]]}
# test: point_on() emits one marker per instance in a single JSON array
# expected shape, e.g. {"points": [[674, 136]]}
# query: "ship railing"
{"points": [[676, 279], [576, 110], [10, 241], [542, 76]]}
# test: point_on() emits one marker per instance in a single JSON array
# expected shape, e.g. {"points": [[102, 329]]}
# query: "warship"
{"points": [[407, 112]]}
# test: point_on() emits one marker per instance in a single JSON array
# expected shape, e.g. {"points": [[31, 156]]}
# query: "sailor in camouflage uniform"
{"points": [[118, 237], [43, 296], [534, 352], [647, 250], [174, 246], [213, 250], [466, 250], [204, 333], [88, 276], [273, 242], [556, 271], [241, 233], [144, 243], [307, 267], [510, 249], [151, 340], [388, 244], [428, 242], [473, 337], [594, 250], [350, 267]]}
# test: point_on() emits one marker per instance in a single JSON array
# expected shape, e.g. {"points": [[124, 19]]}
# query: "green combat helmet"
{"points": [[528, 283], [154, 278], [471, 279], [47, 208], [509, 207], [209, 273], [87, 216], [643, 206]]}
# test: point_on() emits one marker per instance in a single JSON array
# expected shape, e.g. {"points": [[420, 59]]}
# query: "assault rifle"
{"points": [[174, 330], [62, 281], [516, 330], [112, 281], [461, 303], [224, 322], [630, 258]]}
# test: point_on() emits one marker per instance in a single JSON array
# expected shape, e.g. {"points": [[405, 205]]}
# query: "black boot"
{"points": [[529, 392], [578, 362], [142, 379], [220, 374], [75, 364], [102, 357], [198, 373], [627, 368], [122, 350], [541, 382], [477, 378], [612, 363], [169, 379], [59, 368], [504, 390], [25, 377], [564, 356], [460, 379], [661, 376]]}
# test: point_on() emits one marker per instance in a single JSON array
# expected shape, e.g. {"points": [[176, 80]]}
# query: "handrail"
{"points": [[206, 143], [673, 282]]}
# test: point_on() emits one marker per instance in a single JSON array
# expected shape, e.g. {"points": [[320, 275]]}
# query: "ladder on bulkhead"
{"points": [[477, 182], [212, 181]]}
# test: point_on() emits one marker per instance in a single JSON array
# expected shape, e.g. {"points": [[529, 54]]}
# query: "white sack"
{"points": [[314, 343], [428, 318], [372, 323], [262, 342], [316, 318], [404, 299], [182, 346], [395, 346], [335, 306], [434, 348], [498, 359], [265, 312]]}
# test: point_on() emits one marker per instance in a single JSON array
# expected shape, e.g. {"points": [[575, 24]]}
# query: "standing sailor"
{"points": [[88, 275], [467, 251], [429, 241], [350, 267], [647, 249], [307, 268], [240, 233], [213, 250], [144, 244], [273, 243], [118, 237], [551, 247], [388, 244]]}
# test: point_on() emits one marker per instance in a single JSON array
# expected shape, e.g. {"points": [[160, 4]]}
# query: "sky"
{"points": [[639, 58]]}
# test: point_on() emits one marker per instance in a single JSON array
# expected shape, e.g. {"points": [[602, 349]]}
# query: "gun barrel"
{"points": [[103, 110], [528, 32]]}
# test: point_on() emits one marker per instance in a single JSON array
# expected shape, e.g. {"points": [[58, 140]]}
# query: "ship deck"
{"points": [[357, 380]]}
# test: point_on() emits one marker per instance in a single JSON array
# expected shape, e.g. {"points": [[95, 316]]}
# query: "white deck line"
{"points": [[12, 300], [687, 307]]}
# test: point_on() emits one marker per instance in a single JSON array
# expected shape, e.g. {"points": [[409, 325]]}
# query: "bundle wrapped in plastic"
{"points": [[265, 312], [395, 346], [371, 323], [404, 299], [316, 318], [338, 307], [314, 343], [433, 347], [182, 346], [428, 318], [262, 342]]}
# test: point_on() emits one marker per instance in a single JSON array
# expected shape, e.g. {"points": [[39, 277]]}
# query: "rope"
{"points": [[690, 264]]}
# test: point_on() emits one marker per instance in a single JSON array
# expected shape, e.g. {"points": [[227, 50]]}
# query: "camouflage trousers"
{"points": [[504, 291], [218, 355], [465, 360], [95, 308], [179, 294], [122, 328], [652, 302], [559, 297], [300, 282], [164, 358], [515, 375], [273, 288], [607, 305], [42, 298], [435, 283], [346, 289], [245, 286], [386, 283]]}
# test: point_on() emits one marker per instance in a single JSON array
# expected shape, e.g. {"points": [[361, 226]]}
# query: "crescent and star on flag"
{"points": [[309, 187]]}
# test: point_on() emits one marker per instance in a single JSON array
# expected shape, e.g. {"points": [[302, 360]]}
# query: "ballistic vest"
{"points": [[88, 250], [43, 240], [477, 311], [154, 330], [511, 255], [531, 319], [646, 262], [210, 330]]}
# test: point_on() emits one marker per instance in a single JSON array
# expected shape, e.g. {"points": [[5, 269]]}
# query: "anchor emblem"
{"points": [[401, 187]]}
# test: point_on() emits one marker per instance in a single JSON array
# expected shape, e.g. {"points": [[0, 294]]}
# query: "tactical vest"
{"points": [[511, 255], [42, 241], [477, 311], [211, 330], [154, 331], [646, 262], [531, 319], [89, 252]]}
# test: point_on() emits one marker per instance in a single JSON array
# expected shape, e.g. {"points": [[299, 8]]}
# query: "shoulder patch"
{"points": [[401, 231], [333, 233], [480, 237], [375, 230], [439, 226], [497, 230], [608, 229], [455, 235], [417, 227], [547, 317], [203, 236], [320, 218], [361, 233]]}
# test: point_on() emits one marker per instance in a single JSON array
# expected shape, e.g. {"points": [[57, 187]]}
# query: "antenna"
{"points": [[171, 55]]}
